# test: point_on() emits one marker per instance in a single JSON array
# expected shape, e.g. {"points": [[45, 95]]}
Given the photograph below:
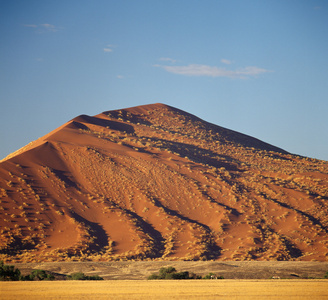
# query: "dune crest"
{"points": [[155, 182]]}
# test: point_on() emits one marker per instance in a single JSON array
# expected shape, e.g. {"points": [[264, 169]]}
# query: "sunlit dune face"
{"points": [[154, 182]]}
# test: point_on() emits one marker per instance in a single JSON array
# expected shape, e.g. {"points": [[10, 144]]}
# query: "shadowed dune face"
{"points": [[154, 182]]}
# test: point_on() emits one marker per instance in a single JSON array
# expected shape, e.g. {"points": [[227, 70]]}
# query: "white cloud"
{"points": [[226, 61], [120, 76], [210, 71], [44, 27], [168, 59], [49, 27], [109, 48]]}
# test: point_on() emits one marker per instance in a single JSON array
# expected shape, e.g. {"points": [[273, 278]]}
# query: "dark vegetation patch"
{"points": [[10, 273], [171, 273]]}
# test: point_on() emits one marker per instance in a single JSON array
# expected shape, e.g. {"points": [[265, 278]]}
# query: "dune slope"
{"points": [[154, 182]]}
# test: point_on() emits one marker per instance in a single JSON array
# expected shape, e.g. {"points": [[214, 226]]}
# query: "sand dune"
{"points": [[154, 182]]}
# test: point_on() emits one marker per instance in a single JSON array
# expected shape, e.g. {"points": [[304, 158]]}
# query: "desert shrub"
{"points": [[194, 276], [77, 276], [153, 276], [326, 275], [95, 277], [171, 273], [212, 276], [164, 272], [9, 273], [41, 275], [179, 275]]}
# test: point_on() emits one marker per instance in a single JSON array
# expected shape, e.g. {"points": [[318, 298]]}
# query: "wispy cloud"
{"points": [[49, 27], [212, 71], [109, 48], [226, 61], [171, 60], [46, 27], [120, 76]]}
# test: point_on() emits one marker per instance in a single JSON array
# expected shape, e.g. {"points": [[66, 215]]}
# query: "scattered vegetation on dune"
{"points": [[157, 183]]}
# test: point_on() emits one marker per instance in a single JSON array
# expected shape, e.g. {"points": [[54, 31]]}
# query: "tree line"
{"points": [[10, 273]]}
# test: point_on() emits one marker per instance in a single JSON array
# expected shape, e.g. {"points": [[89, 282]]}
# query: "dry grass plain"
{"points": [[166, 289]]}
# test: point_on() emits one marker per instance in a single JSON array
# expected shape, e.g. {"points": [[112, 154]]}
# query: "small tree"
{"points": [[8, 273], [77, 276], [153, 276], [95, 277], [166, 273], [171, 273], [41, 275], [212, 276], [180, 275]]}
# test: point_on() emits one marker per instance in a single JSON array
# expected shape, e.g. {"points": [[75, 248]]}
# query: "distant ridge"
{"points": [[155, 182]]}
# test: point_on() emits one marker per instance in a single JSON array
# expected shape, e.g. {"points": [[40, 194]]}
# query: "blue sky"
{"points": [[257, 67]]}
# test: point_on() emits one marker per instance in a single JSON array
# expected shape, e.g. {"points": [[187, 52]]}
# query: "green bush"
{"points": [[171, 273], [153, 276], [41, 275], [77, 276], [180, 275], [212, 276], [166, 273], [9, 273], [95, 277]]}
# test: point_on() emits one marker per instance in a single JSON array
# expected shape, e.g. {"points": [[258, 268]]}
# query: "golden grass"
{"points": [[186, 289]]}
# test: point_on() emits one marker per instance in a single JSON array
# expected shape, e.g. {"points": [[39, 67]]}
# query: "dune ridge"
{"points": [[156, 183]]}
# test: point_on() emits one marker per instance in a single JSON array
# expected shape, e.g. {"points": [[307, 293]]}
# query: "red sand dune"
{"points": [[154, 182]]}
